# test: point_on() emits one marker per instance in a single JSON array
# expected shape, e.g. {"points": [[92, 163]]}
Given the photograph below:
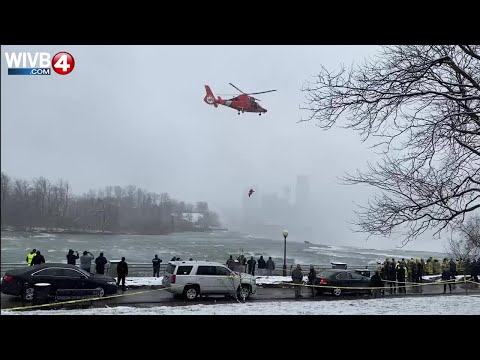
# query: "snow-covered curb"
{"points": [[143, 281], [432, 278], [439, 305], [270, 280]]}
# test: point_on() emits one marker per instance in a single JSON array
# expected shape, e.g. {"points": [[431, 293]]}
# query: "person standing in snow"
{"points": [[251, 266], [297, 277], [86, 261], [261, 266], [312, 277], [38, 259], [100, 263], [122, 273], [71, 259], [30, 257], [156, 266], [270, 266], [377, 283]]}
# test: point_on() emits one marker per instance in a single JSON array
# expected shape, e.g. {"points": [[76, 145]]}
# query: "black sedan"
{"points": [[346, 280], [20, 282]]}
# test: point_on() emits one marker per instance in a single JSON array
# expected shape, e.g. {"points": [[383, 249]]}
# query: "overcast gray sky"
{"points": [[135, 115]]}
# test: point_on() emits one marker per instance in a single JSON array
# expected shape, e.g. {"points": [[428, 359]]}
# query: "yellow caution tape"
{"points": [[83, 300]]}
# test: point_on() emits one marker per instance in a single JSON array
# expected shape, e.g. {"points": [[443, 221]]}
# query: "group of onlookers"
{"points": [[249, 266], [396, 273]]}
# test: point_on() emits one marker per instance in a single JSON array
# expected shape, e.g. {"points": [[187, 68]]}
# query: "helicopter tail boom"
{"points": [[209, 97]]}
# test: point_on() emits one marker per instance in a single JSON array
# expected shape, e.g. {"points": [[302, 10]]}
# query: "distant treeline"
{"points": [[42, 203]]}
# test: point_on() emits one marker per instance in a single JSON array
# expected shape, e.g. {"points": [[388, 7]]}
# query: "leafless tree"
{"points": [[420, 105], [467, 245], [470, 235], [5, 186], [130, 209]]}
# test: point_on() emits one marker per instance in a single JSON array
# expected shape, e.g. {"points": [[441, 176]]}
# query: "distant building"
{"points": [[193, 217]]}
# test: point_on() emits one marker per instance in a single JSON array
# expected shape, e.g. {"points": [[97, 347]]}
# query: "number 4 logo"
{"points": [[63, 63]]}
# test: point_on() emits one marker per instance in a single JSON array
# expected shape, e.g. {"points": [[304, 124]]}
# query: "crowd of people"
{"points": [[36, 258], [396, 273], [390, 274], [249, 266]]}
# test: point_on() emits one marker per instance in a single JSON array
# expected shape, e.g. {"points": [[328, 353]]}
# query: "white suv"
{"points": [[192, 278]]}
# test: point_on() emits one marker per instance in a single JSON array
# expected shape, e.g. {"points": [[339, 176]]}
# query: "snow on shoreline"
{"points": [[440, 305]]}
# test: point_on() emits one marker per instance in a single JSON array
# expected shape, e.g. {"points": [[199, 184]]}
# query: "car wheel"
{"points": [[191, 293], [244, 292], [28, 293], [337, 291], [101, 292]]}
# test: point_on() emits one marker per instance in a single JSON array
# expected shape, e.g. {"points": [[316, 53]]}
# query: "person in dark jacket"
{"points": [[71, 259], [376, 282], [100, 263], [476, 270], [297, 277], [38, 259], [231, 263], [453, 267], [251, 266], [446, 276], [392, 276], [270, 266], [401, 279], [122, 273], [312, 277], [156, 266], [261, 266]]}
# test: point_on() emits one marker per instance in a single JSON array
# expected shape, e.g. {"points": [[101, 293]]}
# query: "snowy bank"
{"points": [[439, 305], [433, 278], [268, 280], [143, 281]]}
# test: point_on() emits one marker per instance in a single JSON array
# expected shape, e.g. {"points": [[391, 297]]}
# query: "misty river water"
{"points": [[212, 246]]}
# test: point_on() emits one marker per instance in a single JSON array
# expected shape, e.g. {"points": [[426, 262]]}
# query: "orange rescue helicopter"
{"points": [[242, 103]]}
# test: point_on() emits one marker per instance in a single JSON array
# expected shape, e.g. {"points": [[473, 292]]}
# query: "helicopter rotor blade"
{"points": [[262, 92], [237, 88]]}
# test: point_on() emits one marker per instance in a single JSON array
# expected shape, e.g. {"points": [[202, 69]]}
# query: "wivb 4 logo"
{"points": [[39, 63]]}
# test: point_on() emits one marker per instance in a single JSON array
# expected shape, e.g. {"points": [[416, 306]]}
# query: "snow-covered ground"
{"points": [[275, 279], [439, 277], [438, 305]]}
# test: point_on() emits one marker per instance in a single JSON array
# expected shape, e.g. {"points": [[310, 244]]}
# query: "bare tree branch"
{"points": [[421, 105]]}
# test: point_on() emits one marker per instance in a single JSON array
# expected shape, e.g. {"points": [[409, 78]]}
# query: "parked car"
{"points": [[343, 279], [194, 278], [20, 282]]}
